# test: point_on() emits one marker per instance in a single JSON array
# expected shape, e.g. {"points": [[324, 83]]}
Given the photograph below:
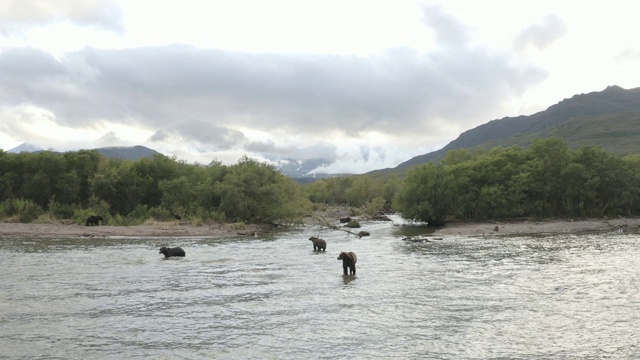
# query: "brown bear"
{"points": [[169, 252], [318, 244], [348, 261], [94, 220]]}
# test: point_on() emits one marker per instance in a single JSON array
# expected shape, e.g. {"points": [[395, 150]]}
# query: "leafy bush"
{"points": [[138, 215], [160, 214], [27, 210], [80, 215], [375, 206], [353, 224], [6, 208], [60, 211]]}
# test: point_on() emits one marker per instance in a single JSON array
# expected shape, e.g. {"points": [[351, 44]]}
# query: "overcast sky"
{"points": [[366, 84]]}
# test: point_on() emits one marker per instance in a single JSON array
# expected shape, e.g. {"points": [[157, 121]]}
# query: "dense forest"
{"points": [[546, 179], [75, 185]]}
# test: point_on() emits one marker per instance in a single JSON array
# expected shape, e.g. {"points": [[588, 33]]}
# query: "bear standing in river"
{"points": [[169, 252], [318, 244], [348, 261]]}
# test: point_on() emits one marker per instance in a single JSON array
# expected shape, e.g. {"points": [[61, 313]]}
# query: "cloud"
{"points": [[209, 98], [628, 54], [396, 91], [17, 16], [110, 139], [448, 30], [216, 137], [276, 152], [542, 34]]}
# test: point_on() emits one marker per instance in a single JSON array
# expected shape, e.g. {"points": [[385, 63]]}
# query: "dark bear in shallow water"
{"points": [[94, 220], [169, 252], [318, 244], [348, 262]]}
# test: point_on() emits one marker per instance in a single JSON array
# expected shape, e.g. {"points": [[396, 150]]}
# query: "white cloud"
{"points": [[18, 16], [542, 34], [367, 84]]}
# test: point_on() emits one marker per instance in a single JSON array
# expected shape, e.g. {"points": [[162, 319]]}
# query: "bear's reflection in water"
{"points": [[346, 279]]}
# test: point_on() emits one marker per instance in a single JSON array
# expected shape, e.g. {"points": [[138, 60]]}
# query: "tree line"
{"points": [[74, 185], [545, 179]]}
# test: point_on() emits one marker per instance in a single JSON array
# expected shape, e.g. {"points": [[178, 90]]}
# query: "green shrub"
{"points": [[160, 214], [374, 206], [80, 215], [5, 210], [60, 211], [117, 220], [27, 210], [353, 224]]}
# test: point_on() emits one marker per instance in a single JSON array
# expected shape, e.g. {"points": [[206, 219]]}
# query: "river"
{"points": [[553, 297]]}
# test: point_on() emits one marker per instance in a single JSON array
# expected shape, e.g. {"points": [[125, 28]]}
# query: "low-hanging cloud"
{"points": [[217, 137], [271, 150]]}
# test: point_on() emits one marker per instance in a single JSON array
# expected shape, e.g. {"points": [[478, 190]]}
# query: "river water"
{"points": [[557, 297]]}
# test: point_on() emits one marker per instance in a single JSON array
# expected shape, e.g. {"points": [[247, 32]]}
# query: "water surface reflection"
{"points": [[455, 298]]}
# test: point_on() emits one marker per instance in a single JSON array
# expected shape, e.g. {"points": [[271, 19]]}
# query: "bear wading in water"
{"points": [[318, 244], [94, 220], [348, 262], [169, 252]]}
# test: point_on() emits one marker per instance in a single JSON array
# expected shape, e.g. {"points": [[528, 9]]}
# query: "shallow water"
{"points": [[570, 297]]}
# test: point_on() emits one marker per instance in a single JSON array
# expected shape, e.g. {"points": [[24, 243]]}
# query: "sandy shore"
{"points": [[550, 226], [155, 229], [186, 229], [67, 228]]}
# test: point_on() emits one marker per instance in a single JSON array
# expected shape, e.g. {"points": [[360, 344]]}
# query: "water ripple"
{"points": [[570, 297]]}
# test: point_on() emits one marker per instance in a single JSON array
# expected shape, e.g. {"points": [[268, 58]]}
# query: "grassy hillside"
{"points": [[618, 133], [609, 118]]}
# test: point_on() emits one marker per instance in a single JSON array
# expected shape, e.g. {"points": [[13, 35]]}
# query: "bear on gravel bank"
{"points": [[94, 220]]}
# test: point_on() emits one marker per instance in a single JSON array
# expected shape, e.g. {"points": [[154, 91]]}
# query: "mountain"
{"points": [[300, 170], [121, 152], [609, 118], [24, 147], [127, 152], [296, 169]]}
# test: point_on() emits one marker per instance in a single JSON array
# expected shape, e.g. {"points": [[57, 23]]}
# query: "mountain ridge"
{"points": [[135, 152], [299, 170], [498, 132]]}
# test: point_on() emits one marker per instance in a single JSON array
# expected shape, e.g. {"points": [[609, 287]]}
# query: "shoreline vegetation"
{"points": [[68, 228], [541, 189]]}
